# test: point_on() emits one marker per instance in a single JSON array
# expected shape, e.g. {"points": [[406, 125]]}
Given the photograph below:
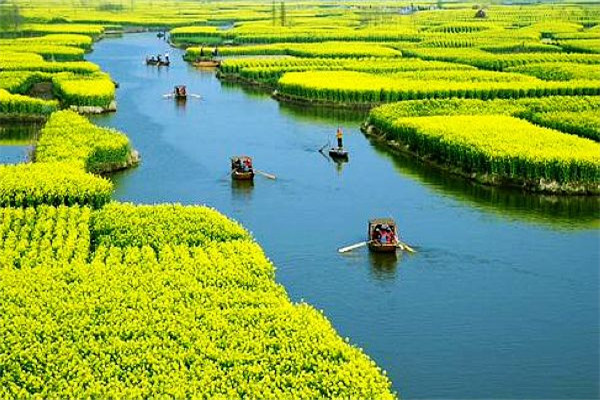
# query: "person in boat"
{"points": [[339, 135], [389, 235], [158, 59], [376, 234], [237, 165], [384, 238], [392, 233], [248, 165], [167, 57], [383, 234]]}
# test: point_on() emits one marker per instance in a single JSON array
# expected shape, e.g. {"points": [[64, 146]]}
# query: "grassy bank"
{"points": [[170, 300], [496, 149]]}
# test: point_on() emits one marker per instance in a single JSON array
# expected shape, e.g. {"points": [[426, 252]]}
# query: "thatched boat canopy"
{"points": [[382, 221], [240, 158]]}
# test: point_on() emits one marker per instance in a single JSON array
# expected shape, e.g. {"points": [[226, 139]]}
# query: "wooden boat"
{"points": [[207, 63], [382, 227], [180, 92], [242, 176], [382, 237], [161, 63], [238, 172], [338, 153]]}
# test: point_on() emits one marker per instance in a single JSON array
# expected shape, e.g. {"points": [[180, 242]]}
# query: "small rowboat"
{"points": [[382, 237], [380, 229], [207, 63], [161, 63], [180, 92], [241, 168], [338, 153], [242, 176]]}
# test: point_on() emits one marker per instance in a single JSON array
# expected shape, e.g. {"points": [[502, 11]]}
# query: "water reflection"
{"points": [[180, 104], [17, 141], [331, 115], [563, 212], [159, 71], [242, 190], [254, 92], [384, 266], [18, 134], [339, 165]]}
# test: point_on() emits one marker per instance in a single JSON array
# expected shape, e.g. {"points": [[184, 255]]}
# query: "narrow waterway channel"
{"points": [[500, 302]]}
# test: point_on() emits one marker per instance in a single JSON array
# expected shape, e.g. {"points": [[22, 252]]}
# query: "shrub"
{"points": [[70, 137], [55, 184], [126, 225]]}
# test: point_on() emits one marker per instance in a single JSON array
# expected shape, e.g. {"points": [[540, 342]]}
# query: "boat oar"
{"points": [[352, 247], [405, 247], [266, 175]]}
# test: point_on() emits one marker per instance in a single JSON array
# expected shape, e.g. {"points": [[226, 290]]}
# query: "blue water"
{"points": [[501, 300]]}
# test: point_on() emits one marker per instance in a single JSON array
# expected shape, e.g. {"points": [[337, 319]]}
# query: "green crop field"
{"points": [[348, 60], [198, 266]]}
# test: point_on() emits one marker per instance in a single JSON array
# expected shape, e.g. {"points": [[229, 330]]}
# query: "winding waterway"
{"points": [[501, 300]]}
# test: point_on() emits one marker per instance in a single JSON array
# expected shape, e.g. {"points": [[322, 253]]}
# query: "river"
{"points": [[501, 300]]}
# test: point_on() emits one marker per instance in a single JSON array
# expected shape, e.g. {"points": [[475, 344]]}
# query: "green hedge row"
{"points": [[32, 184], [70, 137]]}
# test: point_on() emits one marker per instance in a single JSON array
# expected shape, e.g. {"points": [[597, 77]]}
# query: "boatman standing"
{"points": [[339, 136]]}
